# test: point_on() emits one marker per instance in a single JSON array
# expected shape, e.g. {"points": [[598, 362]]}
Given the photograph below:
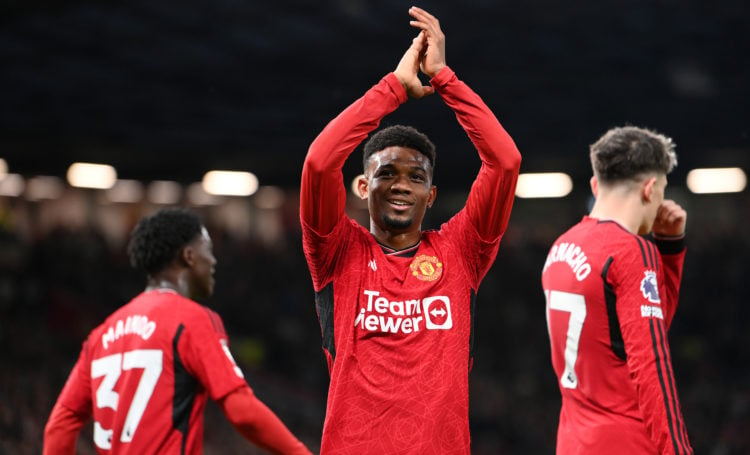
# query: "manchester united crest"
{"points": [[426, 268]]}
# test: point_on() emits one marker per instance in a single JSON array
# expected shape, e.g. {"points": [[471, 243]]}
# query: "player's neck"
{"points": [[397, 241], [625, 211], [162, 282]]}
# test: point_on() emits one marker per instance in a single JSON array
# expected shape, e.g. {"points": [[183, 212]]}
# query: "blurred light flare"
{"points": [[230, 183], [544, 185], [716, 180], [12, 185], [91, 175]]}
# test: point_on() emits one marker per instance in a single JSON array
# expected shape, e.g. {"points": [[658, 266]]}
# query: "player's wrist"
{"points": [[669, 244], [670, 236]]}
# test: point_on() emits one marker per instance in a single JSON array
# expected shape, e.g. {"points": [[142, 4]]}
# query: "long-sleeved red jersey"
{"points": [[611, 296], [144, 376], [397, 331]]}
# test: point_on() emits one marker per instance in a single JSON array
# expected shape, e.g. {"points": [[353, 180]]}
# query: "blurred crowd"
{"points": [[61, 274]]}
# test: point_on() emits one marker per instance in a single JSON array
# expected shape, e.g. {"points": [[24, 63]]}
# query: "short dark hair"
{"points": [[628, 152], [402, 136], [158, 238]]}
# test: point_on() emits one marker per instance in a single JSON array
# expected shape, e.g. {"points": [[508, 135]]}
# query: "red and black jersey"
{"points": [[146, 373], [397, 331], [611, 296]]}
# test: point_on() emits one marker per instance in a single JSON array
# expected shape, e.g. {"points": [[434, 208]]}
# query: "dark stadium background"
{"points": [[171, 89]]}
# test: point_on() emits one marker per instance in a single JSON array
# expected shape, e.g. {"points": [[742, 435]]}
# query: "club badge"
{"points": [[426, 268]]}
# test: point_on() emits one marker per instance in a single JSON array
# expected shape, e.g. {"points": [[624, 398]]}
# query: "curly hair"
{"points": [[626, 153], [158, 238], [403, 136]]}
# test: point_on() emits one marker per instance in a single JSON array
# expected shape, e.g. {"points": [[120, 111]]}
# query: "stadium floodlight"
{"points": [[164, 192], [544, 185], [125, 191], [91, 175], [716, 180], [230, 183], [12, 185]]}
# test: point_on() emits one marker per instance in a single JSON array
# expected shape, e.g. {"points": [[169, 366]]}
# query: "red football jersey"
{"points": [[397, 331], [611, 297], [147, 371]]}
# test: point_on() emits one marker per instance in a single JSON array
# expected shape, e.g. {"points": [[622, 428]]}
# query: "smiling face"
{"points": [[398, 188]]}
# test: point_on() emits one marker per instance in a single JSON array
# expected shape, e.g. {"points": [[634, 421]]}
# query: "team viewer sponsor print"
{"points": [[404, 316]]}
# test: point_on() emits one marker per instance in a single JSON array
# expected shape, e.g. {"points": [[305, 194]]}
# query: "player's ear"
{"points": [[363, 184], [594, 186], [433, 195], [647, 189], [187, 255]]}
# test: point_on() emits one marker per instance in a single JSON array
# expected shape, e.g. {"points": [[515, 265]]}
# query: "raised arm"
{"points": [[669, 236], [492, 194], [322, 192]]}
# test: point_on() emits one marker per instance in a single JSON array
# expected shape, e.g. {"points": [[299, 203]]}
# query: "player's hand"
{"points": [[670, 219], [407, 70], [434, 55]]}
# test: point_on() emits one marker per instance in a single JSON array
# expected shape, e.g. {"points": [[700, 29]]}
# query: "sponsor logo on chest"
{"points": [[404, 316]]}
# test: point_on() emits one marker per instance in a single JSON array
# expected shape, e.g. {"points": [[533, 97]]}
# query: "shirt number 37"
{"points": [[111, 367]]}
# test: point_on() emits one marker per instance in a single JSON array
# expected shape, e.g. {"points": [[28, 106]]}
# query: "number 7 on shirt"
{"points": [[575, 304]]}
